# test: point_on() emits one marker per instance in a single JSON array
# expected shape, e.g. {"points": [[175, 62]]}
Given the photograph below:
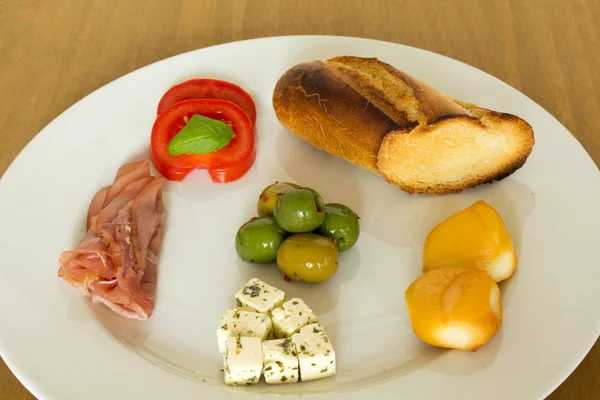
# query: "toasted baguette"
{"points": [[313, 103], [381, 119]]}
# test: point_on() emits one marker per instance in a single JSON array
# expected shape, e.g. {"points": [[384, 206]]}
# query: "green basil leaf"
{"points": [[200, 135]]}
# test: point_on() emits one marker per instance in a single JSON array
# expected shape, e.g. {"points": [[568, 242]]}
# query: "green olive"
{"points": [[300, 210], [308, 257], [258, 240], [340, 225], [270, 195]]}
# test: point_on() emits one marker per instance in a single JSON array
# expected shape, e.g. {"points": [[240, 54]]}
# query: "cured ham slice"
{"points": [[116, 263]]}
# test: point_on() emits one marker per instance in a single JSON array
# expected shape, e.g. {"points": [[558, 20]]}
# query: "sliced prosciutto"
{"points": [[116, 262]]}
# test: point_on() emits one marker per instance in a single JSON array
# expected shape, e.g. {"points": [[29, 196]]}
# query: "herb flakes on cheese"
{"points": [[259, 297], [280, 361], [315, 353], [243, 360], [242, 323], [302, 352], [290, 317]]}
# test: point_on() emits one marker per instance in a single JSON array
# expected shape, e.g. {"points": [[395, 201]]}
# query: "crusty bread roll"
{"points": [[381, 119]]}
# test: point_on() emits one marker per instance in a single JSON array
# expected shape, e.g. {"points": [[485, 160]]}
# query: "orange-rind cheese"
{"points": [[474, 238], [455, 308]]}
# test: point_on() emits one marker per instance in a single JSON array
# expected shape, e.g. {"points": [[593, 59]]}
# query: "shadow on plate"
{"points": [[460, 362], [323, 297], [391, 215], [136, 336]]}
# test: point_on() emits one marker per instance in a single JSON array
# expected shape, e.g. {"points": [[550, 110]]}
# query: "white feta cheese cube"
{"points": [[280, 361], [242, 323], [315, 353], [259, 297], [243, 361], [290, 317]]}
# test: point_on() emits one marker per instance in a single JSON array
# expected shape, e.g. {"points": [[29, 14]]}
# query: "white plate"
{"points": [[63, 347]]}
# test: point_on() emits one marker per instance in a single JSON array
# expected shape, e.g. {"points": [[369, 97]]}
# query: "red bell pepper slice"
{"points": [[208, 89], [225, 165]]}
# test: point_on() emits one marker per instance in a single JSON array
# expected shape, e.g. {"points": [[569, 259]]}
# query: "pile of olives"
{"points": [[296, 229]]}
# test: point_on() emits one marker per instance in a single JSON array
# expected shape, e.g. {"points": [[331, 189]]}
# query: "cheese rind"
{"points": [[290, 317], [315, 353], [242, 323], [242, 361], [259, 297], [280, 361]]}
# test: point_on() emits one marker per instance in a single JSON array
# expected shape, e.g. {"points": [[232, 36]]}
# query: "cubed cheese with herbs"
{"points": [[259, 297], [242, 323], [315, 353], [280, 361], [243, 360], [290, 317]]}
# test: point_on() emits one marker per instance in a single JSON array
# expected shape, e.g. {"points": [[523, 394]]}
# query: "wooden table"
{"points": [[54, 52]]}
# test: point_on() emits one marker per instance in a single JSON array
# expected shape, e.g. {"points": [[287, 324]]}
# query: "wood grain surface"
{"points": [[54, 52]]}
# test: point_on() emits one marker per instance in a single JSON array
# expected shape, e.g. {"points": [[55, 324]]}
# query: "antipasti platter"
{"points": [[300, 216]]}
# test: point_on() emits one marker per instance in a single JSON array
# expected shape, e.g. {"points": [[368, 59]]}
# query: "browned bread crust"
{"points": [[381, 119], [323, 110], [401, 97]]}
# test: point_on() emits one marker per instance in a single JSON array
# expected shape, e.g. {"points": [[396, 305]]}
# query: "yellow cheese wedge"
{"points": [[454, 308], [476, 238]]}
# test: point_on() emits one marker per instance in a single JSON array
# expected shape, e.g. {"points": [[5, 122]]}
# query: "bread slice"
{"points": [[445, 145], [383, 120], [455, 153]]}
